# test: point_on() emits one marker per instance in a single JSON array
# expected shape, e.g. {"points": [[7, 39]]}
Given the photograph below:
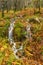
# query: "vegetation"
{"points": [[18, 28], [29, 13], [4, 24]]}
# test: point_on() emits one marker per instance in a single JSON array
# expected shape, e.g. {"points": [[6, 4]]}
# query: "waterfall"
{"points": [[11, 31], [29, 34], [10, 35]]}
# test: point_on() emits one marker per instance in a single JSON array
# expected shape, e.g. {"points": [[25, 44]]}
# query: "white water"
{"points": [[11, 31], [28, 31], [10, 34]]}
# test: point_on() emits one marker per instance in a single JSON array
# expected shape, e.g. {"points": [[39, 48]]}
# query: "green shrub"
{"points": [[19, 31], [4, 30], [36, 28]]}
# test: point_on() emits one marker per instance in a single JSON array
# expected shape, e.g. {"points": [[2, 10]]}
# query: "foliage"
{"points": [[32, 49], [4, 28], [19, 31], [6, 53]]}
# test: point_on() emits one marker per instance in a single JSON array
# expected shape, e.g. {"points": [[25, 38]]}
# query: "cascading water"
{"points": [[29, 34], [10, 34], [11, 31]]}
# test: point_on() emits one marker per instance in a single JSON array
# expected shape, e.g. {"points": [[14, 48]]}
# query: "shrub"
{"points": [[19, 31], [4, 29]]}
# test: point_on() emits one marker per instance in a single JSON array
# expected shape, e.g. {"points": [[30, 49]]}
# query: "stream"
{"points": [[10, 35]]}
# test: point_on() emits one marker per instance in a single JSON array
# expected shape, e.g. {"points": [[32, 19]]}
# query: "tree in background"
{"points": [[18, 4], [36, 5], [2, 1], [41, 3], [6, 7]]}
